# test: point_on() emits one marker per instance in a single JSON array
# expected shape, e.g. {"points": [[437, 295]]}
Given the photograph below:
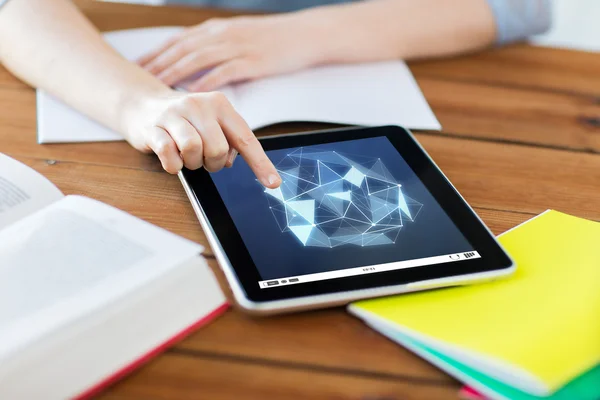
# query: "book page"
{"points": [[22, 191], [371, 94], [73, 257]]}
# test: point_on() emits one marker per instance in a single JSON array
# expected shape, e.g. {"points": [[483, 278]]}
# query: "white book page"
{"points": [[114, 337], [59, 123], [71, 258], [22, 191], [383, 93]]}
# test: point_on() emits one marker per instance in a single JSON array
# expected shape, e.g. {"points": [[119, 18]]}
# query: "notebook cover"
{"points": [[584, 387], [515, 320], [468, 393]]}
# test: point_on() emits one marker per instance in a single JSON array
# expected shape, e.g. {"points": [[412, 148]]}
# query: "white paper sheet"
{"points": [[370, 94], [364, 94], [59, 123]]}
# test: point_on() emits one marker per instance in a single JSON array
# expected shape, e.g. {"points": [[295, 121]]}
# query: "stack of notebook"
{"points": [[534, 335]]}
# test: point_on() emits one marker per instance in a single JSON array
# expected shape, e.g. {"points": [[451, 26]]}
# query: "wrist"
{"points": [[138, 106]]}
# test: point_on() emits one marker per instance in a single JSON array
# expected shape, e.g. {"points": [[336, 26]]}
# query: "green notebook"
{"points": [[585, 387]]}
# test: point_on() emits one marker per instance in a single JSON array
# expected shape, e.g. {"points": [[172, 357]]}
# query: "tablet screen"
{"points": [[344, 209]]}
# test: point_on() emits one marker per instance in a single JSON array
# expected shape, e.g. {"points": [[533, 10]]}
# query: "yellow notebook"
{"points": [[534, 331]]}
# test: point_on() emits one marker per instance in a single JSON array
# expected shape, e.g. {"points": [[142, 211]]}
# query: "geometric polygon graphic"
{"points": [[330, 199]]}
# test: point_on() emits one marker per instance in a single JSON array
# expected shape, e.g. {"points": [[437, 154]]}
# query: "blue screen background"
{"points": [[277, 255]]}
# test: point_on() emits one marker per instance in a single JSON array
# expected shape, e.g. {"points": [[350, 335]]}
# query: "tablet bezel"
{"points": [[493, 257]]}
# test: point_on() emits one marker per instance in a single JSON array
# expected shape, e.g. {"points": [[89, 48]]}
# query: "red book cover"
{"points": [[126, 370]]}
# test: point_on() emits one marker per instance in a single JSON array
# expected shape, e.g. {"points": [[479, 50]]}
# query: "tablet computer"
{"points": [[361, 212]]}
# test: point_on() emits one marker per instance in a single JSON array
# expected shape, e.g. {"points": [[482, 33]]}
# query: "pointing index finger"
{"points": [[241, 138]]}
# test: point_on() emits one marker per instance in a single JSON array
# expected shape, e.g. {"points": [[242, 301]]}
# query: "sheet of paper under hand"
{"points": [[59, 123], [370, 94]]}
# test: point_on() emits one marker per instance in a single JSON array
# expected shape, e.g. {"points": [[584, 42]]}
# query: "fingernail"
{"points": [[273, 179], [232, 155]]}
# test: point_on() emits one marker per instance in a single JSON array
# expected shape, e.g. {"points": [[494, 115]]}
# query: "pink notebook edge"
{"points": [[468, 393]]}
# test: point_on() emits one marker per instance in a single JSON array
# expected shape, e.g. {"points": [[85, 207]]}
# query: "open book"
{"points": [[87, 292], [535, 335], [370, 94]]}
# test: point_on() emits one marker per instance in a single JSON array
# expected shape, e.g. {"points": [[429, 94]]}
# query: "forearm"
{"points": [[50, 45], [403, 29]]}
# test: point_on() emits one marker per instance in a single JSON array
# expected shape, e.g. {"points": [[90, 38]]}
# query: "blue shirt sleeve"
{"points": [[519, 19]]}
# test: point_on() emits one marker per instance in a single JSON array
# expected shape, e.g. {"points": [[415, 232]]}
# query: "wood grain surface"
{"points": [[521, 135]]}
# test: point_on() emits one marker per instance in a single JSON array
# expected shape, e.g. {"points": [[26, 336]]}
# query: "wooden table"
{"points": [[521, 135]]}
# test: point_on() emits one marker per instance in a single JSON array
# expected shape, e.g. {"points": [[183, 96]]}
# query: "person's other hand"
{"points": [[196, 130], [236, 49]]}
